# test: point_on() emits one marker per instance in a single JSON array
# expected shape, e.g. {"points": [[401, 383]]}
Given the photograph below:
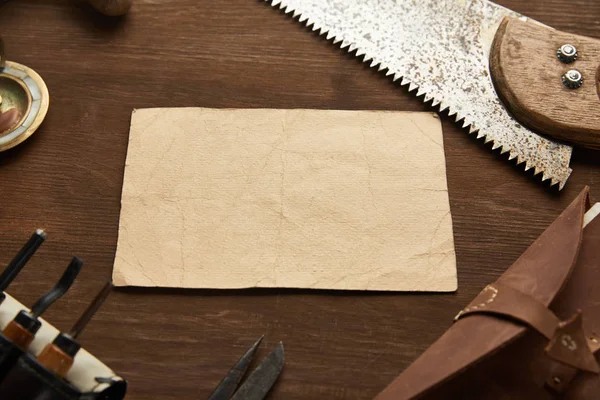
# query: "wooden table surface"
{"points": [[177, 344]]}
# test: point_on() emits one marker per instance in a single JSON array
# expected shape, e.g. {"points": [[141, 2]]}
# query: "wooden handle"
{"points": [[55, 360], [528, 76], [18, 335]]}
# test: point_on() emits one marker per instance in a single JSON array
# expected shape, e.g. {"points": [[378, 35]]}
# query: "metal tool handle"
{"points": [[59, 289], [17, 264]]}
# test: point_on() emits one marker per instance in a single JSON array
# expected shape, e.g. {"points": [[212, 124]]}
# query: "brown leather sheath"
{"points": [[529, 335]]}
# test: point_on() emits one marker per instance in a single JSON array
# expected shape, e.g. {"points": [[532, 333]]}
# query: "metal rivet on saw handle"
{"points": [[567, 53], [572, 79]]}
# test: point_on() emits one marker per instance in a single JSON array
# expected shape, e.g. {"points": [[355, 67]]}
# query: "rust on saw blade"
{"points": [[440, 48]]}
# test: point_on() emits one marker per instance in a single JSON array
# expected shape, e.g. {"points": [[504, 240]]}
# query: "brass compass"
{"points": [[24, 101]]}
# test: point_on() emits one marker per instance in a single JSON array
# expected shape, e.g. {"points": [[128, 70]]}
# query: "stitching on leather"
{"points": [[481, 305]]}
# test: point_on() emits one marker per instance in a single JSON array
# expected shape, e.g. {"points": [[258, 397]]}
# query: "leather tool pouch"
{"points": [[23, 378], [9, 354], [532, 334], [29, 380]]}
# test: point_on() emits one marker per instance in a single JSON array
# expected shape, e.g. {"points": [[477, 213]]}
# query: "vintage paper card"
{"points": [[317, 199]]}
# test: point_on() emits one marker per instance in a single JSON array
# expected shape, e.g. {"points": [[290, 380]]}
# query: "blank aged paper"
{"points": [[285, 198]]}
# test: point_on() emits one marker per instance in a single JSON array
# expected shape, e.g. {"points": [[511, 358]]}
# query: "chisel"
{"points": [[58, 356], [17, 263], [22, 329]]}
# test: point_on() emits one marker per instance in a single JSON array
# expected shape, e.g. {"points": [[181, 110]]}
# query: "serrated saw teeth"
{"points": [[414, 41]]}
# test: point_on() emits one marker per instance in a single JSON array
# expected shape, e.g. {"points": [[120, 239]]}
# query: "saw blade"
{"points": [[440, 49]]}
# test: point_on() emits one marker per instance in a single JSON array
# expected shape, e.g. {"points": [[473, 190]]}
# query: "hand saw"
{"points": [[505, 77]]}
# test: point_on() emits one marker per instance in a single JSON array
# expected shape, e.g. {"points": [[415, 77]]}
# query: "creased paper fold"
{"points": [[316, 199]]}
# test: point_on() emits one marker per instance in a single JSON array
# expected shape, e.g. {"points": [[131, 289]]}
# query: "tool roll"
{"points": [[22, 377]]}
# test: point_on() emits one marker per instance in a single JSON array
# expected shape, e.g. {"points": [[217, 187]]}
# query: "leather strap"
{"points": [[561, 375], [568, 344], [542, 271], [499, 299]]}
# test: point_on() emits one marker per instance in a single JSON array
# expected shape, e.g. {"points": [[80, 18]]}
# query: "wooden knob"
{"points": [[17, 334], [55, 360], [549, 80]]}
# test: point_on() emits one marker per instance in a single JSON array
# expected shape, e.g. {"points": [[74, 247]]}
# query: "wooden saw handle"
{"points": [[528, 76]]}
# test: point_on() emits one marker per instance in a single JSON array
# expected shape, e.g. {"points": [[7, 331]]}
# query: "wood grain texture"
{"points": [[178, 344], [111, 7], [528, 78]]}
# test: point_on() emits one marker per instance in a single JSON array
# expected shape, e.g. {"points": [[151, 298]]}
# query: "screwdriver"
{"points": [[22, 257], [22, 329], [58, 356]]}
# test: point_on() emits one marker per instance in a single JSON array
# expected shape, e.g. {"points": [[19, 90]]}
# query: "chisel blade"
{"points": [[264, 376]]}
